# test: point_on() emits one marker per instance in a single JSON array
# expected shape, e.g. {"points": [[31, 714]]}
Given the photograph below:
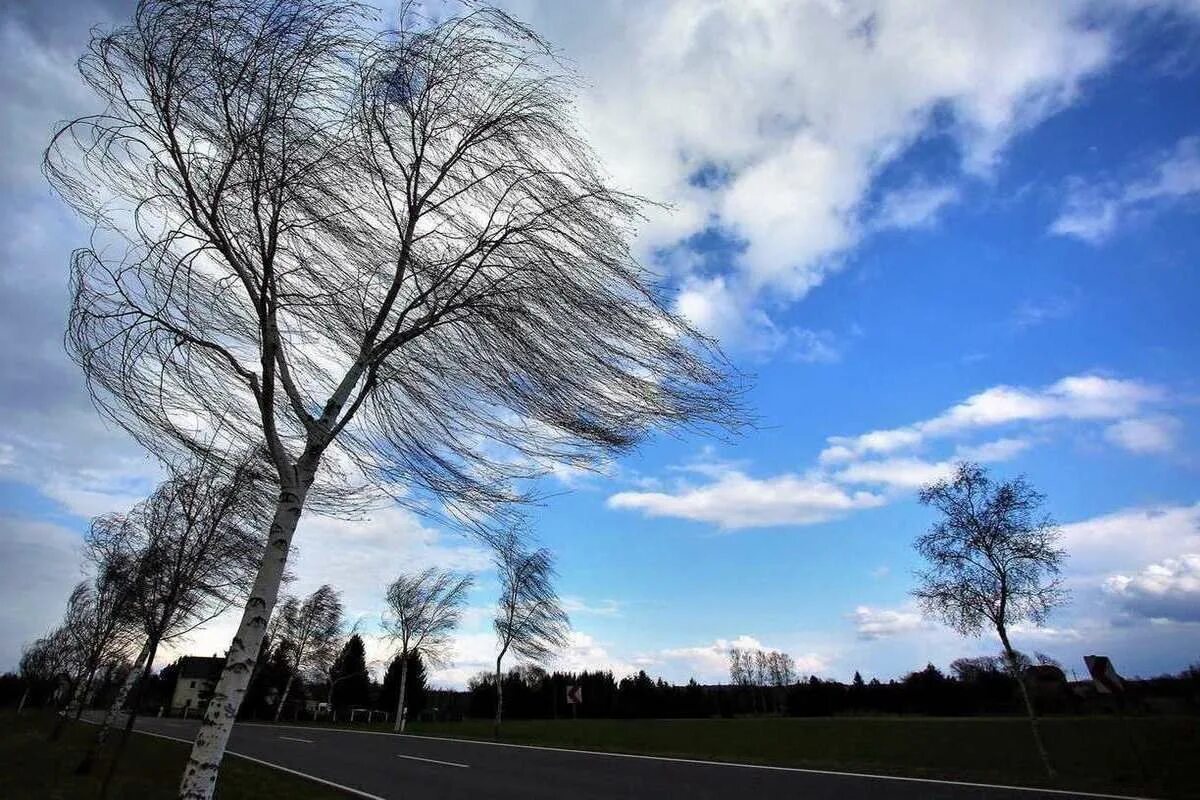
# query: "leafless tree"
{"points": [[396, 247], [993, 560], [192, 548], [44, 661], [530, 620], [97, 627], [311, 630], [423, 611]]}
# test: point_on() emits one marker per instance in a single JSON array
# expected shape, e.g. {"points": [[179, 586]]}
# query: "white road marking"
{"points": [[297, 773], [434, 761], [294, 739], [871, 776]]}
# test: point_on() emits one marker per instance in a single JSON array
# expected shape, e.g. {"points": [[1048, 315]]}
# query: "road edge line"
{"points": [[280, 767]]}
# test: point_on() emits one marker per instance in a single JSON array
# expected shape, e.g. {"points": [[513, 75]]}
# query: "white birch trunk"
{"points": [[200, 776], [287, 688], [400, 716], [119, 701], [24, 697]]}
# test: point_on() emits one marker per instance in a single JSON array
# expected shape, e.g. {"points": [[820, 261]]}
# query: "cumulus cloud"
{"points": [[1093, 210], [735, 500], [1112, 543], [1169, 589], [709, 663], [870, 469], [771, 123], [878, 623], [1078, 397], [1156, 434]]}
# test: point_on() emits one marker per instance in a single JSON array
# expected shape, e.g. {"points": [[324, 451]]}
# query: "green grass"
{"points": [[1091, 753], [32, 767]]}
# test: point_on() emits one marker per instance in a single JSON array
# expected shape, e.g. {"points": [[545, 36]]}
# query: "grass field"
{"points": [[1153, 756], [32, 767]]}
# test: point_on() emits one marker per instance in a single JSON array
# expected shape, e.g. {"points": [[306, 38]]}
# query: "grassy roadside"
{"points": [[32, 767], [1096, 754]]}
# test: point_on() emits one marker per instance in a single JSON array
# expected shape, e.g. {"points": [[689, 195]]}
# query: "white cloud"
{"points": [[1166, 590], [735, 500], [1093, 212], [1113, 542], [1078, 397], [878, 623], [709, 663], [796, 109], [579, 606], [914, 206], [900, 473], [1156, 434]]}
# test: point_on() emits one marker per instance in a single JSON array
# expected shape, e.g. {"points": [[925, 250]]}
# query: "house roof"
{"points": [[201, 667]]}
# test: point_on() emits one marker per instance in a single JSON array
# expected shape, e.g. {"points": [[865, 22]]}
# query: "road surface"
{"points": [[385, 766]]}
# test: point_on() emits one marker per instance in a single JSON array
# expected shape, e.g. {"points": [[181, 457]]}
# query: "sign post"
{"points": [[574, 698]]}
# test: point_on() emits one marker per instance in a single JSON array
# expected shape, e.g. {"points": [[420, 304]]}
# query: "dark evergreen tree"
{"points": [[390, 694], [351, 680]]}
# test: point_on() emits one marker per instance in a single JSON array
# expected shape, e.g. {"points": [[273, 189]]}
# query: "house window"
{"points": [[193, 685]]}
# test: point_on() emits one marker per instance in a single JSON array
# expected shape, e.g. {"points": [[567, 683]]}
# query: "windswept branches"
{"points": [[311, 237], [530, 620], [310, 630], [993, 559], [423, 611]]}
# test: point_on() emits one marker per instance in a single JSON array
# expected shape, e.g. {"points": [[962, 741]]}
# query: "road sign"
{"points": [[1103, 675], [574, 695]]}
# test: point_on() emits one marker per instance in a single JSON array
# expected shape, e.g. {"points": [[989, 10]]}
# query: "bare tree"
{"points": [[311, 631], [530, 620], [396, 247], [993, 560], [423, 611], [45, 662], [193, 548], [97, 628]]}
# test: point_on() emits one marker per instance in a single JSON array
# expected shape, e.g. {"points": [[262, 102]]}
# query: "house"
{"points": [[195, 683]]}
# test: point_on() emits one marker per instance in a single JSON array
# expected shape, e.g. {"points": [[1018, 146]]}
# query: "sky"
{"points": [[928, 231]]}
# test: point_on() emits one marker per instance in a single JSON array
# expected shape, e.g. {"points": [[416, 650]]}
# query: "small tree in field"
{"points": [[423, 610], [993, 560], [312, 630], [393, 247], [530, 620]]}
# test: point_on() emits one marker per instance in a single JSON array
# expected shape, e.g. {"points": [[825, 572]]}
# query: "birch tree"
{"points": [[310, 630], [388, 261], [192, 548], [530, 620], [423, 611], [993, 560]]}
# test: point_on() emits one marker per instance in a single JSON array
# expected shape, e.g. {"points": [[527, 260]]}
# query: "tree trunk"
{"points": [[287, 687], [24, 697], [84, 692], [85, 766], [64, 709], [200, 775], [499, 701], [398, 727], [127, 729], [1029, 709]]}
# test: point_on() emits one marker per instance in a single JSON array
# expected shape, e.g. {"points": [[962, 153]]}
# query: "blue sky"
{"points": [[967, 231]]}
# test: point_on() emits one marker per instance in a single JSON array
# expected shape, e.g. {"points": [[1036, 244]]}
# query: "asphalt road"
{"points": [[420, 768]]}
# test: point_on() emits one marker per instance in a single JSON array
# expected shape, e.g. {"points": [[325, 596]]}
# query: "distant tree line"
{"points": [[972, 686]]}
